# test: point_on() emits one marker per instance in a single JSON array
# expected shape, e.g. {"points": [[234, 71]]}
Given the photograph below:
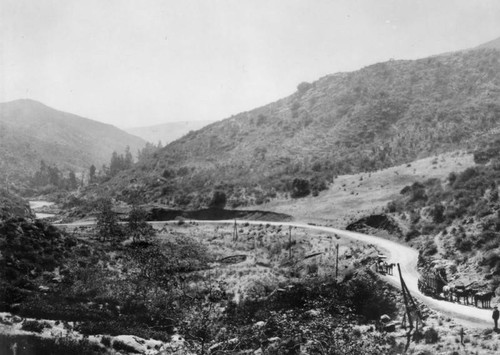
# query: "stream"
{"points": [[37, 205]]}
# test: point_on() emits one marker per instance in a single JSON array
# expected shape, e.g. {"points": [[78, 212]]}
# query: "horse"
{"points": [[484, 297], [461, 292], [389, 268]]}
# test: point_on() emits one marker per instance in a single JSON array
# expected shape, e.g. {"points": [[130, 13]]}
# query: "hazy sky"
{"points": [[144, 62]]}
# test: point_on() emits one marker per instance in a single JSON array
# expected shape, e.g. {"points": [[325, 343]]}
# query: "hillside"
{"points": [[31, 131], [166, 132], [491, 44], [380, 116]]}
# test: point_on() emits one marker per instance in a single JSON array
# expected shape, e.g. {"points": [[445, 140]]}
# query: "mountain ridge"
{"points": [[31, 131], [167, 132]]}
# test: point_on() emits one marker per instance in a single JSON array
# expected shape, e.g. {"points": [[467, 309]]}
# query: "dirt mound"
{"points": [[212, 214]]}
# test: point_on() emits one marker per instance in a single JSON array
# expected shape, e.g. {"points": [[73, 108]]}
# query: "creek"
{"points": [[37, 205]]}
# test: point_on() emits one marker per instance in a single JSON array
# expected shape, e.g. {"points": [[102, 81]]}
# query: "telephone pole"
{"points": [[235, 232], [337, 262]]}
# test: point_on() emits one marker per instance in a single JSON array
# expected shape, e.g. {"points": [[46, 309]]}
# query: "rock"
{"points": [[385, 318], [259, 325]]}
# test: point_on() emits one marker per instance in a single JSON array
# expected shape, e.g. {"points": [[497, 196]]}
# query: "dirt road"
{"points": [[407, 258], [397, 253]]}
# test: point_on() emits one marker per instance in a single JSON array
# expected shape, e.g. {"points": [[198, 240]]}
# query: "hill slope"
{"points": [[166, 132], [491, 44], [380, 116], [31, 131]]}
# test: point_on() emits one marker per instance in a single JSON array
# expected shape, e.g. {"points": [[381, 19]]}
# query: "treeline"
{"points": [[121, 162], [51, 177]]}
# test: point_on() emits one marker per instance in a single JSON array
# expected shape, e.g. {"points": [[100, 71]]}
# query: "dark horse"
{"points": [[461, 292], [485, 298]]}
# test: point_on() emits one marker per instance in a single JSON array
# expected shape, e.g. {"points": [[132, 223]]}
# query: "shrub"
{"points": [[431, 336], [303, 87], [120, 345], [34, 326], [106, 341], [300, 188], [463, 244]]}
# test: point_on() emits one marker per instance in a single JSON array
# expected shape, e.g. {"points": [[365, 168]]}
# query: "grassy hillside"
{"points": [[31, 131], [380, 116], [354, 196], [455, 220]]}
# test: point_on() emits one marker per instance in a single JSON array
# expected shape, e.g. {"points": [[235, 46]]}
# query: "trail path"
{"points": [[397, 253]]}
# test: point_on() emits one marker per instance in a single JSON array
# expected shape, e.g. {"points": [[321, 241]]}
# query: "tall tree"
{"points": [[107, 223], [92, 176], [72, 183]]}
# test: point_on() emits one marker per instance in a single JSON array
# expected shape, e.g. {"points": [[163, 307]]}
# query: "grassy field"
{"points": [[353, 196], [264, 257]]}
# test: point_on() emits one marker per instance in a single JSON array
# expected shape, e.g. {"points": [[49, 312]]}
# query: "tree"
{"points": [[72, 183], [303, 87], [128, 160], [300, 188], [116, 164], [218, 200], [137, 225], [92, 173], [107, 224]]}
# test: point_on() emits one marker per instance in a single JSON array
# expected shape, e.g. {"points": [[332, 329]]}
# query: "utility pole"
{"points": [[409, 299], [337, 263], [235, 232], [289, 242]]}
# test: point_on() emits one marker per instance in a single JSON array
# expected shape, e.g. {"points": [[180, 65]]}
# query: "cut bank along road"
{"points": [[398, 253]]}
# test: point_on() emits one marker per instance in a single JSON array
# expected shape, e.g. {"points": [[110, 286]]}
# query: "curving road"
{"points": [[397, 253]]}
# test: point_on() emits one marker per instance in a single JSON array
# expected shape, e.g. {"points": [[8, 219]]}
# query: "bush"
{"points": [[431, 336], [106, 341], [412, 233], [34, 326], [120, 345], [300, 188], [463, 244]]}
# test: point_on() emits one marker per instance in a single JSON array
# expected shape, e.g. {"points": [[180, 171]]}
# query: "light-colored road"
{"points": [[397, 253]]}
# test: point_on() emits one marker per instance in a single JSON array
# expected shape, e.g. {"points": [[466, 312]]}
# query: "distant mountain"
{"points": [[167, 132], [495, 44], [31, 131], [382, 115]]}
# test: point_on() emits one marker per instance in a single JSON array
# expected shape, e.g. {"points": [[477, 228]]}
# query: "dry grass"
{"points": [[269, 263], [352, 196]]}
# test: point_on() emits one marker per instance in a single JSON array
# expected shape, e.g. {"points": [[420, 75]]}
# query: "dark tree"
{"points": [[218, 200], [92, 173], [300, 188], [107, 223], [72, 182], [128, 160], [137, 225]]}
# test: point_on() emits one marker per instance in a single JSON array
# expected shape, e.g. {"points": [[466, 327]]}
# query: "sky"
{"points": [[136, 63]]}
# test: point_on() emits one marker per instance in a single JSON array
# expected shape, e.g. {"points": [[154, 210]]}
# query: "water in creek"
{"points": [[36, 205]]}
